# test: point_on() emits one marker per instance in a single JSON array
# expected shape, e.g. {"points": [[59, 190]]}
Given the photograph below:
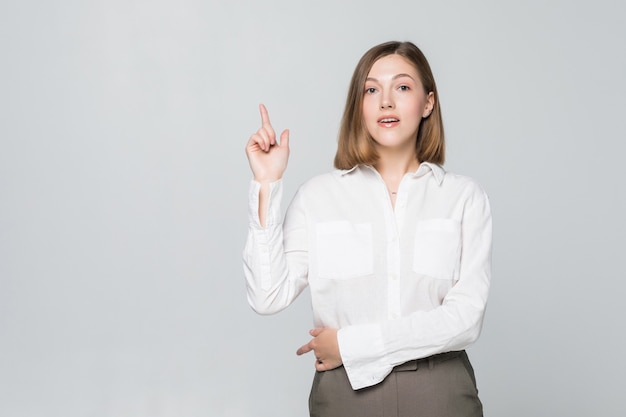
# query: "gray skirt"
{"points": [[438, 386]]}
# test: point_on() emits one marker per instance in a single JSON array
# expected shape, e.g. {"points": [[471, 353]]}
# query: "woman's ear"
{"points": [[430, 105]]}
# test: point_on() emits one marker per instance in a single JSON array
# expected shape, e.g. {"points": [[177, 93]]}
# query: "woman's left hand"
{"points": [[326, 348]]}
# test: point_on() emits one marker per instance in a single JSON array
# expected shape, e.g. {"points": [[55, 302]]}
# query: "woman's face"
{"points": [[394, 103]]}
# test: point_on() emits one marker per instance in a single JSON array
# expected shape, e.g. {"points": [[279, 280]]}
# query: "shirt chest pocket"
{"points": [[344, 250], [437, 248]]}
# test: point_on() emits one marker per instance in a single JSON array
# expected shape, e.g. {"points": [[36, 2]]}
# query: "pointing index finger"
{"points": [[265, 117]]}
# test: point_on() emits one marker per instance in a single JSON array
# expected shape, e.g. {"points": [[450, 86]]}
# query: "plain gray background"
{"points": [[123, 186]]}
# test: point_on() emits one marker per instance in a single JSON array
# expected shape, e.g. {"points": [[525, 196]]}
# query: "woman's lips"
{"points": [[388, 121]]}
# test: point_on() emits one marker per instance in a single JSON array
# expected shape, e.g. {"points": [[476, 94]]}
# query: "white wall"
{"points": [[123, 187]]}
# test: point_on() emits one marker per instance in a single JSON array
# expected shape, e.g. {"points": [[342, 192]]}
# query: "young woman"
{"points": [[395, 250]]}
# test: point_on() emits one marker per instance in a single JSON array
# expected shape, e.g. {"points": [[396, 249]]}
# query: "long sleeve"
{"points": [[275, 256], [370, 351]]}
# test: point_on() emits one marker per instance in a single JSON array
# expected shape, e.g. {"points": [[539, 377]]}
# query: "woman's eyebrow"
{"points": [[393, 78], [403, 75]]}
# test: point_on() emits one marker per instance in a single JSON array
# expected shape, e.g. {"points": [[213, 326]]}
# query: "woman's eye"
{"points": [[404, 88], [370, 90]]}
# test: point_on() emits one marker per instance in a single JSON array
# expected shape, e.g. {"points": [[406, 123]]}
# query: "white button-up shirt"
{"points": [[399, 283]]}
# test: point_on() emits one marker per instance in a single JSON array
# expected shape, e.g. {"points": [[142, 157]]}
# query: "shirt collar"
{"points": [[424, 168], [437, 170], [343, 172]]}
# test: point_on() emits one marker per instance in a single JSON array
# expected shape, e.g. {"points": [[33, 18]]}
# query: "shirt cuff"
{"points": [[362, 353], [273, 216]]}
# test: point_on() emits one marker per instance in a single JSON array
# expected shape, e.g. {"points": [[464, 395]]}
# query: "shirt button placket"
{"points": [[393, 281]]}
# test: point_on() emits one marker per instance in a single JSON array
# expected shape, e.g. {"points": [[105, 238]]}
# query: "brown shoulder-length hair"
{"points": [[356, 146]]}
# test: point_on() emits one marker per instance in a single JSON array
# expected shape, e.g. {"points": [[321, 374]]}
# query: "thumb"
{"points": [[284, 138]]}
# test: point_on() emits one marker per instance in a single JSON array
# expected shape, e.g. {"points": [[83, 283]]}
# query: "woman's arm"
{"points": [[267, 158], [369, 352], [276, 256]]}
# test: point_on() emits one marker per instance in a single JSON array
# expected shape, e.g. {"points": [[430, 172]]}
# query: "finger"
{"points": [[257, 141], [265, 138], [316, 332], [304, 349], [253, 142], [284, 139], [265, 117], [269, 133]]}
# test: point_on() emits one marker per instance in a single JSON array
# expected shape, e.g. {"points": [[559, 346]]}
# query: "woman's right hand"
{"points": [[267, 158]]}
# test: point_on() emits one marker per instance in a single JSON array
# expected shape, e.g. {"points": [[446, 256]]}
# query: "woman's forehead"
{"points": [[391, 65]]}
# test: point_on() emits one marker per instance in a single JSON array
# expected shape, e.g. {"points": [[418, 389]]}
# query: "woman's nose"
{"points": [[386, 103]]}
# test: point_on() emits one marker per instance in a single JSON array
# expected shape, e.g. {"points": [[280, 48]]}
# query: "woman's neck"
{"points": [[393, 166]]}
